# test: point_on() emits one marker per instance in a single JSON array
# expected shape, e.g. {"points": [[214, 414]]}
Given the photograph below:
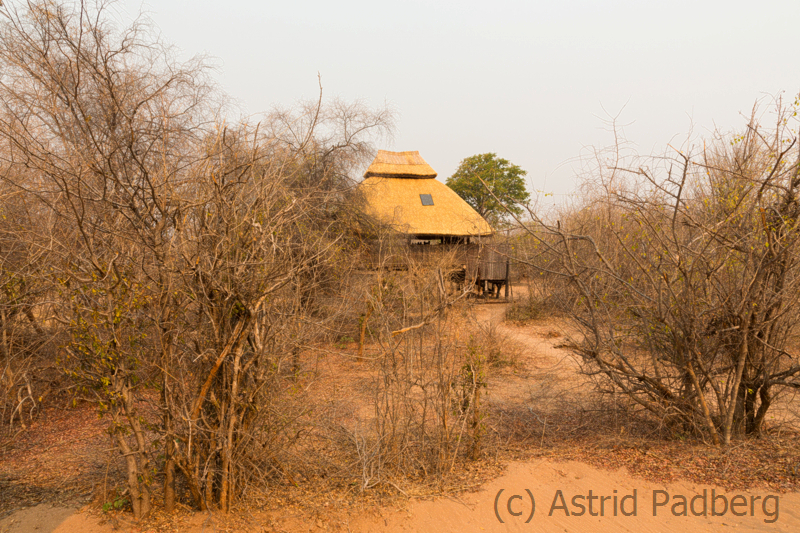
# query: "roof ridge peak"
{"points": [[408, 164]]}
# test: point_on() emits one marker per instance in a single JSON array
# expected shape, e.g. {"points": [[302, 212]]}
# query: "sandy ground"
{"points": [[558, 493], [510, 510], [546, 481]]}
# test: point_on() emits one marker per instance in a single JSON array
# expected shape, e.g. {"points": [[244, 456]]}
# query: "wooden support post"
{"points": [[508, 275]]}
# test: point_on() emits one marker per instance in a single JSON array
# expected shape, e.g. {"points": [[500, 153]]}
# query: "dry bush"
{"points": [[28, 340], [536, 302], [545, 292], [495, 347], [425, 386], [682, 276], [187, 257]]}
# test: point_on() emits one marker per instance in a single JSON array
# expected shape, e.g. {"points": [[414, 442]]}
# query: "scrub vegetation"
{"points": [[175, 268], [681, 275], [199, 284]]}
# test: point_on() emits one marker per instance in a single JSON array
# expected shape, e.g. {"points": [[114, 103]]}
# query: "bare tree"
{"points": [[22, 297], [261, 241], [96, 122], [682, 275], [178, 243]]}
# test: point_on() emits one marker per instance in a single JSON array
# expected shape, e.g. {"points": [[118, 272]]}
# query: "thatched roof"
{"points": [[399, 165], [396, 192]]}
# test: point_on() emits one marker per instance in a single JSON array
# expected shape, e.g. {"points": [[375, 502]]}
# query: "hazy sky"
{"points": [[535, 82]]}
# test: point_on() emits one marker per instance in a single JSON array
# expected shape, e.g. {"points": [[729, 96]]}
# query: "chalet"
{"points": [[400, 191]]}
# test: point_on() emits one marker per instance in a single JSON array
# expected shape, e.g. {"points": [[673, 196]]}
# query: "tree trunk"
{"points": [[766, 402], [169, 466], [737, 380], [139, 493], [706, 413]]}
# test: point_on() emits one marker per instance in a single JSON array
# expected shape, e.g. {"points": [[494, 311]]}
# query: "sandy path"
{"points": [[476, 511]]}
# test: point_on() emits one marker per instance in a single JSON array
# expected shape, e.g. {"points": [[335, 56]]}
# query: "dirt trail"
{"points": [[477, 511], [619, 501], [539, 341]]}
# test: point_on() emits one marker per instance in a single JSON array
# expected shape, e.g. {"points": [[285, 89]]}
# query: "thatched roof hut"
{"points": [[400, 189]]}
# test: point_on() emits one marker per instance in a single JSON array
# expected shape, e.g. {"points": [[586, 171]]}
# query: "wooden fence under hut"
{"points": [[487, 267]]}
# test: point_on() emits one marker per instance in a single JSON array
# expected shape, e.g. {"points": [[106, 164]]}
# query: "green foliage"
{"points": [[108, 335], [343, 341], [504, 179], [117, 504]]}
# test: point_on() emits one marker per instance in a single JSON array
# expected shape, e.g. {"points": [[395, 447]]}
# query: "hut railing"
{"points": [[479, 261]]}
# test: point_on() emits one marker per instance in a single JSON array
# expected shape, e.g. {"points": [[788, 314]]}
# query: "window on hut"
{"points": [[427, 199]]}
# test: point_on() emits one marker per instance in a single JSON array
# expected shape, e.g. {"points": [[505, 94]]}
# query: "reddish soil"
{"points": [[546, 426]]}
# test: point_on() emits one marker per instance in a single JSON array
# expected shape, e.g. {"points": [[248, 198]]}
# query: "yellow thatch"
{"points": [[394, 199], [399, 165]]}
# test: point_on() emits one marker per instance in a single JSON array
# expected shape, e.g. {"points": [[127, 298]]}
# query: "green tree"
{"points": [[504, 180]]}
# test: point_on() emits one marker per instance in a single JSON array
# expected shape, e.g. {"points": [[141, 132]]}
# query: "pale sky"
{"points": [[535, 82]]}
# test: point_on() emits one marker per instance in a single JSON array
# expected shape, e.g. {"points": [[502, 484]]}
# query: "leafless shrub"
{"points": [[685, 275], [527, 308], [26, 342], [188, 258], [497, 349], [426, 385]]}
